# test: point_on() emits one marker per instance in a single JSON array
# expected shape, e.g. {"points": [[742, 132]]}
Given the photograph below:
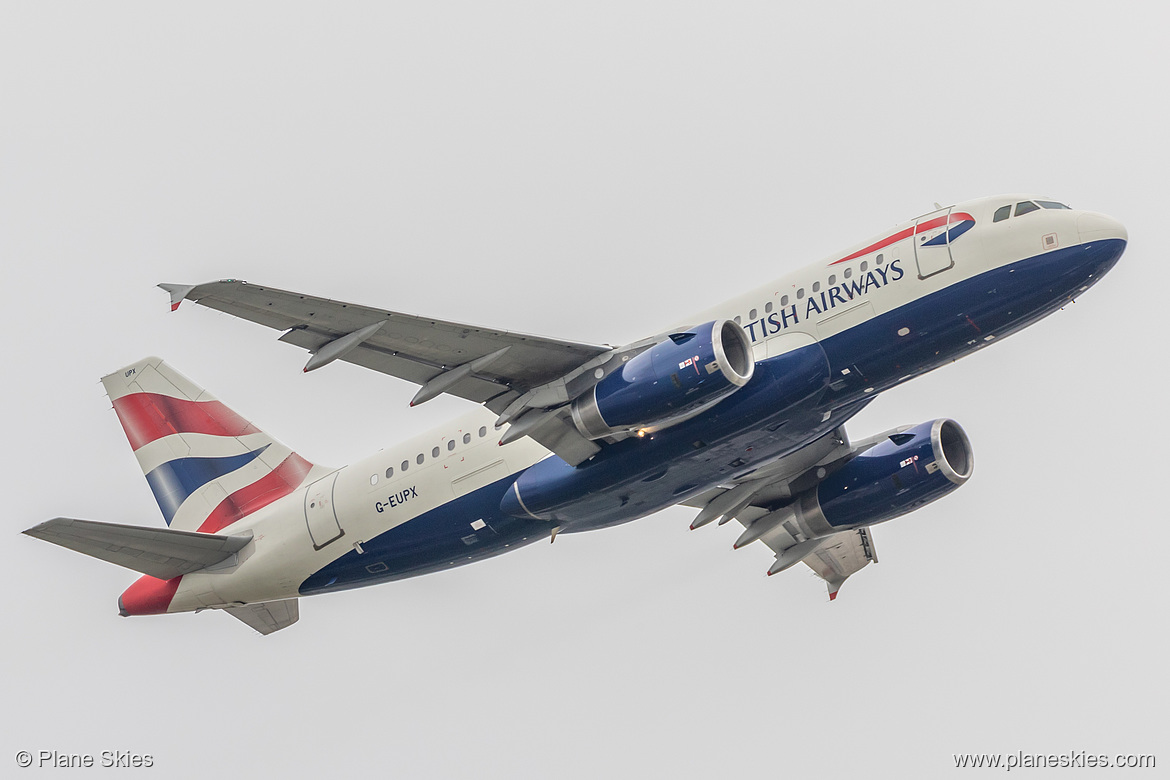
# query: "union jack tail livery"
{"points": [[206, 465]]}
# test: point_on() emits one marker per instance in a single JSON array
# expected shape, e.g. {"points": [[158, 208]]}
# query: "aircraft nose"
{"points": [[1098, 227]]}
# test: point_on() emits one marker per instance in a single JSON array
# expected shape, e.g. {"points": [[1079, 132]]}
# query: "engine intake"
{"points": [[671, 382]]}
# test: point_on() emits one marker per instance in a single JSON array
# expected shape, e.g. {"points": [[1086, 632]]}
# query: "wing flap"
{"points": [[840, 556], [159, 552], [267, 617]]}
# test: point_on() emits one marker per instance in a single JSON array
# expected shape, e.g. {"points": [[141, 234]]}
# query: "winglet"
{"points": [[178, 293]]}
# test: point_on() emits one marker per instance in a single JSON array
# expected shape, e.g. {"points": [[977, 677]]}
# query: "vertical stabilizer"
{"points": [[206, 465]]}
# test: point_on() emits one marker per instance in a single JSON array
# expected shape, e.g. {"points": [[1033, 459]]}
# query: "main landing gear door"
{"points": [[932, 248], [320, 513]]}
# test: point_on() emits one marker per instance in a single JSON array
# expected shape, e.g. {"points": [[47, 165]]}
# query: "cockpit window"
{"points": [[1002, 213], [1026, 207], [1051, 204]]}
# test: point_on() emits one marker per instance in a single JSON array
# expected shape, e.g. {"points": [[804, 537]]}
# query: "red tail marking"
{"points": [[148, 596], [147, 417], [281, 481]]}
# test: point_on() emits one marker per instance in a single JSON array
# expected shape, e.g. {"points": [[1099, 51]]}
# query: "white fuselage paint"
{"points": [[282, 553]]}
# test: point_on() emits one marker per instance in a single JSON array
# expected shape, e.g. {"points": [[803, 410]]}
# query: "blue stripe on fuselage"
{"points": [[433, 541], [637, 477]]}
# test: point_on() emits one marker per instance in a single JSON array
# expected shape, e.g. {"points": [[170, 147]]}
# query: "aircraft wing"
{"points": [[759, 501], [510, 373], [268, 616]]}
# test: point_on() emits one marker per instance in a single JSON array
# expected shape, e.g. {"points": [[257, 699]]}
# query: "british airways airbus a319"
{"points": [[738, 412]]}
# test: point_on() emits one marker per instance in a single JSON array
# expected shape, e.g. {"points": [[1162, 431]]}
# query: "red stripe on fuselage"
{"points": [[147, 417], [903, 234], [148, 596], [278, 483]]}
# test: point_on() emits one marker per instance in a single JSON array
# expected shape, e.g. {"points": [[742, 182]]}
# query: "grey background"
{"points": [[589, 171]]}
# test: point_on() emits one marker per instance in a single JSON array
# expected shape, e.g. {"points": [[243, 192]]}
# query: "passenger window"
{"points": [[864, 266], [419, 459], [389, 472], [435, 452], [737, 322], [450, 445], [373, 479], [881, 259], [1002, 213], [1026, 207], [752, 314], [848, 272], [405, 465], [1051, 204], [482, 432], [800, 293], [784, 301], [768, 307], [816, 286], [832, 279], [467, 438]]}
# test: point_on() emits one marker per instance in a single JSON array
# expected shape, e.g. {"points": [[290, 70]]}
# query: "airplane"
{"points": [[738, 412]]}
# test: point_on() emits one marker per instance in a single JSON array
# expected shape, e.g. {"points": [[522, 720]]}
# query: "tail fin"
{"points": [[206, 465]]}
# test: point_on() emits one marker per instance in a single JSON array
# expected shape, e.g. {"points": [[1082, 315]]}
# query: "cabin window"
{"points": [[816, 287], [450, 445], [373, 479], [1026, 207], [467, 438], [880, 259], [482, 432], [768, 307], [799, 293], [864, 266], [784, 301], [419, 458], [1002, 213], [848, 272], [737, 322], [389, 472], [405, 465], [832, 279], [1051, 204], [435, 452], [752, 314]]}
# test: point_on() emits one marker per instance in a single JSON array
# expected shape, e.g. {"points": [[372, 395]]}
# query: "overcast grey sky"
{"points": [[588, 171]]}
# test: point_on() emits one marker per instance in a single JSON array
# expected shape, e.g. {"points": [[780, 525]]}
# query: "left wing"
{"points": [[527, 380]]}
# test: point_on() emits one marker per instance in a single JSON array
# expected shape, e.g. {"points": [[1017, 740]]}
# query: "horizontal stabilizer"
{"points": [[268, 616], [159, 552]]}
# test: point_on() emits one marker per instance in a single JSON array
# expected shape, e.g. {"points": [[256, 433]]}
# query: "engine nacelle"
{"points": [[668, 383], [902, 473]]}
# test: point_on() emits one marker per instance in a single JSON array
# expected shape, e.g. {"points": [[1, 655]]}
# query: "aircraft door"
{"points": [[321, 513], [932, 248]]}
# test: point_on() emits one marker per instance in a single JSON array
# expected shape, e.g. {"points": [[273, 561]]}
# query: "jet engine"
{"points": [[672, 381], [898, 475]]}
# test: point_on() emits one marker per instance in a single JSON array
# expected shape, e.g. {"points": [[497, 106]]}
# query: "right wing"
{"points": [[527, 380], [763, 500]]}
